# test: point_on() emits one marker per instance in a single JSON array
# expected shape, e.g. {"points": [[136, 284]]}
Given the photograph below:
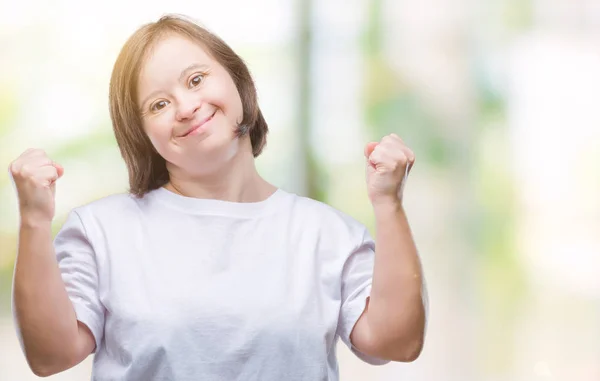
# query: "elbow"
{"points": [[46, 366], [47, 370], [41, 370], [401, 348], [407, 353], [48, 360], [404, 344]]}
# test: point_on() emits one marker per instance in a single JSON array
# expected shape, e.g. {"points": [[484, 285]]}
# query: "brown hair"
{"points": [[147, 169]]}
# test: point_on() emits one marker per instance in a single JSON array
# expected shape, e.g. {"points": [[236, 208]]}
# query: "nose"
{"points": [[186, 108]]}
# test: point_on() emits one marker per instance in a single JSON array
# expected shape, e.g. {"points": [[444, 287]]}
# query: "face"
{"points": [[190, 106]]}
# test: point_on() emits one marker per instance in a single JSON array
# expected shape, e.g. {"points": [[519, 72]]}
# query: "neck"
{"points": [[236, 181]]}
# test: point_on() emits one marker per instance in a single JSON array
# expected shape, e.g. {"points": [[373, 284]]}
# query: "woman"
{"points": [[205, 271]]}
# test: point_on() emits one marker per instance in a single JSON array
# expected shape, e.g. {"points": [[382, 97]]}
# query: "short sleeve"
{"points": [[357, 277], [77, 264]]}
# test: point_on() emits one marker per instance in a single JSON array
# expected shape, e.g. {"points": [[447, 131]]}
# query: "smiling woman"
{"points": [[155, 100], [205, 270]]}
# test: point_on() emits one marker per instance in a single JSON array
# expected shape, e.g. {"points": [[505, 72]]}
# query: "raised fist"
{"points": [[35, 175]]}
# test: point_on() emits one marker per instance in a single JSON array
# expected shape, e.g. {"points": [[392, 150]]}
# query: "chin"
{"points": [[208, 159]]}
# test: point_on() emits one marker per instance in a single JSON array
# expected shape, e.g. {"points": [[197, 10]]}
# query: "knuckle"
{"points": [[27, 170], [376, 154], [16, 170], [12, 167]]}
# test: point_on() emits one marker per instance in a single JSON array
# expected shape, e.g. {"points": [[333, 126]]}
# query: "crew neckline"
{"points": [[208, 206]]}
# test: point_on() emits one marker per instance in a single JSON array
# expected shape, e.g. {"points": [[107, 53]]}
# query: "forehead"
{"points": [[169, 56]]}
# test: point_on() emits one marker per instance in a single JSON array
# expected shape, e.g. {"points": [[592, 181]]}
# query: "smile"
{"points": [[199, 127]]}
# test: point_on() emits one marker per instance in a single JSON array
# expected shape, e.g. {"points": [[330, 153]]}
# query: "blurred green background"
{"points": [[498, 99]]}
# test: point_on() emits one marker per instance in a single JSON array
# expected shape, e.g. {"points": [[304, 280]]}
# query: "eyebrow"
{"points": [[192, 67], [184, 73]]}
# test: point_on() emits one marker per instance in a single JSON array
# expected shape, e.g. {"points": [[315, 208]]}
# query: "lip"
{"points": [[197, 128]]}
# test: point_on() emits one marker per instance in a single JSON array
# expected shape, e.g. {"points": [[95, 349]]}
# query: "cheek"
{"points": [[158, 133], [228, 99], [237, 100], [233, 103]]}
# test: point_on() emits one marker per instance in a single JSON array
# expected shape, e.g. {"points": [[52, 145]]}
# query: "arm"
{"points": [[392, 325], [51, 337]]}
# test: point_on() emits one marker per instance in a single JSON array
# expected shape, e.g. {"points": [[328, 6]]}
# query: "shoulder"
{"points": [[326, 216], [335, 233], [111, 215], [115, 209], [109, 204]]}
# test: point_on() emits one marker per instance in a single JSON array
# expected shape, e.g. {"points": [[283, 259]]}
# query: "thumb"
{"points": [[369, 148], [59, 169]]}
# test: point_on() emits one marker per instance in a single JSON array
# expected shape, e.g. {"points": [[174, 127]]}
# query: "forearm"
{"points": [[44, 313], [396, 313]]}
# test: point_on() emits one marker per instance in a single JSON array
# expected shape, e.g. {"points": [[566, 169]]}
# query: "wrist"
{"points": [[34, 220], [390, 203]]}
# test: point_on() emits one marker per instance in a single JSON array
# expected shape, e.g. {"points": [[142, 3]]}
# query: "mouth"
{"points": [[198, 127]]}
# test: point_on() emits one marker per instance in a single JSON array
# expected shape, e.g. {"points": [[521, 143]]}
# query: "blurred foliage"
{"points": [[8, 245], [315, 175], [97, 140], [500, 278], [517, 14], [393, 106], [8, 109]]}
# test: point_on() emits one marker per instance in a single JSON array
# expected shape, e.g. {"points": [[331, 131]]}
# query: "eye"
{"points": [[196, 80], [157, 106]]}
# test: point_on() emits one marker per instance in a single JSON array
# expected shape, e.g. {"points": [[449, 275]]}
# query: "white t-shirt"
{"points": [[177, 288]]}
